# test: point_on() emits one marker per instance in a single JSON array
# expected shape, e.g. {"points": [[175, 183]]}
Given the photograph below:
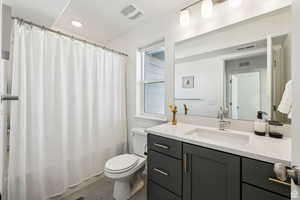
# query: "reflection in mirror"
{"points": [[246, 86], [243, 79], [281, 77]]}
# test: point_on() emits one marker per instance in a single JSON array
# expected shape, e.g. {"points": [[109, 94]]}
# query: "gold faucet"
{"points": [[174, 110]]}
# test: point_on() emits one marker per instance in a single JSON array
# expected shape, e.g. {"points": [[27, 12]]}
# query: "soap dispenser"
{"points": [[260, 124]]}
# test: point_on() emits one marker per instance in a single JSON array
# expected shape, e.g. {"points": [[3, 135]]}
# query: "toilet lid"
{"points": [[121, 163]]}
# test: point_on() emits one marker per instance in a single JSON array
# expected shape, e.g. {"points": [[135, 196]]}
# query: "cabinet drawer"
{"points": [[164, 145], [258, 173], [165, 171], [253, 193], [155, 192]]}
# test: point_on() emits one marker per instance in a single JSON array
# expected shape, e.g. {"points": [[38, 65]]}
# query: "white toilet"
{"points": [[126, 169]]}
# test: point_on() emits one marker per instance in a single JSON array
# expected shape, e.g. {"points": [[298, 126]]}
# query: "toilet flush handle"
{"points": [[145, 150]]}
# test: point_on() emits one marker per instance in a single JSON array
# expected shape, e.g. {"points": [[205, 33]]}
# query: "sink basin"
{"points": [[219, 136]]}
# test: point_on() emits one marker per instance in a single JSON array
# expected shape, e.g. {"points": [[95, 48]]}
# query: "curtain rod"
{"points": [[69, 36]]}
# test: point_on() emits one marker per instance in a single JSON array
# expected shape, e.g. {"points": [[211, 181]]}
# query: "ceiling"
{"points": [[101, 19], [38, 11]]}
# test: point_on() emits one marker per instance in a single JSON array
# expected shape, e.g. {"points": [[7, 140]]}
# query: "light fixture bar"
{"points": [[199, 1], [191, 5]]}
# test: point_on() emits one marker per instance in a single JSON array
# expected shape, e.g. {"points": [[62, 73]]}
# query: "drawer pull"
{"points": [[161, 146], [161, 172], [279, 182]]}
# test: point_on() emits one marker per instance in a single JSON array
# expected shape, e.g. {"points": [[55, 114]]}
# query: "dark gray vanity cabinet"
{"points": [[164, 168], [156, 192], [254, 193], [209, 174], [181, 171]]}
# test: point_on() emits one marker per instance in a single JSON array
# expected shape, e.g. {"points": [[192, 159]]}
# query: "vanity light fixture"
{"points": [[184, 18], [77, 24], [234, 3], [207, 8]]}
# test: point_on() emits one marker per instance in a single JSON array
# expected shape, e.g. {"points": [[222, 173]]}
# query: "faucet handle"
{"points": [[186, 109], [220, 113]]}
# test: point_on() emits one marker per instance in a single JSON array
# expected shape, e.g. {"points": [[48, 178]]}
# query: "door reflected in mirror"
{"points": [[246, 87]]}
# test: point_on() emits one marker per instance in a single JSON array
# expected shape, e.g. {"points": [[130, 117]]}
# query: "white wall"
{"points": [[208, 86], [6, 31], [168, 28], [5, 47], [296, 87]]}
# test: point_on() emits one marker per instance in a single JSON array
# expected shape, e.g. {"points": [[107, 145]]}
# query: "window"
{"points": [[152, 79]]}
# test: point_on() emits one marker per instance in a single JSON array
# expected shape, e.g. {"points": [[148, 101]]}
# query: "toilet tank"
{"points": [[139, 141]]}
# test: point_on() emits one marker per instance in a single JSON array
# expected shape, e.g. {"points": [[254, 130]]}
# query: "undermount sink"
{"points": [[220, 136]]}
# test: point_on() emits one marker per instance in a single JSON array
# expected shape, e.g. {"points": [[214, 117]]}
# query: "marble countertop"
{"points": [[257, 147]]}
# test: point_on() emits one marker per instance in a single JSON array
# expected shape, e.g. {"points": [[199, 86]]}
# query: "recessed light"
{"points": [[128, 9], [77, 24]]}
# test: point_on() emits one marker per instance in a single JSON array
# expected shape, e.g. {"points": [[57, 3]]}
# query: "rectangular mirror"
{"points": [[242, 79]]}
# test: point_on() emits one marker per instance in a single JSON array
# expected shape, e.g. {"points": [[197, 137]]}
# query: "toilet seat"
{"points": [[121, 164]]}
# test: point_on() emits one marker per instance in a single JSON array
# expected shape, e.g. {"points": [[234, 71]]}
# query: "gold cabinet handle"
{"points": [[185, 163], [279, 182]]}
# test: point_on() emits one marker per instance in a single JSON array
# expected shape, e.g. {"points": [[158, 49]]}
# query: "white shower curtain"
{"points": [[71, 114]]}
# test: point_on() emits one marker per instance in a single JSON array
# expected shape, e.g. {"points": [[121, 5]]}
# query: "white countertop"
{"points": [[260, 148]]}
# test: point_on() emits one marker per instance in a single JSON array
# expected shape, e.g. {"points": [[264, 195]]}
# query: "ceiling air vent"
{"points": [[131, 12], [137, 15], [128, 9], [244, 64]]}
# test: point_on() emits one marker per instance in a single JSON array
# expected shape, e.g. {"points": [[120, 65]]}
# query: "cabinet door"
{"points": [[210, 175]]}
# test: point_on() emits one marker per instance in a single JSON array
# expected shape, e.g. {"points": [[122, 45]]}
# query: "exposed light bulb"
{"points": [[234, 3], [184, 18], [207, 8]]}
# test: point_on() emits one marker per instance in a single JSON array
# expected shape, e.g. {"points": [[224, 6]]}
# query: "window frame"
{"points": [[141, 82]]}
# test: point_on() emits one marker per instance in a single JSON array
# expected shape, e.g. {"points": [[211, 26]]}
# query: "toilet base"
{"points": [[124, 189]]}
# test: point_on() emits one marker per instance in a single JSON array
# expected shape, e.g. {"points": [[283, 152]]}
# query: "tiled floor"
{"points": [[102, 190]]}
